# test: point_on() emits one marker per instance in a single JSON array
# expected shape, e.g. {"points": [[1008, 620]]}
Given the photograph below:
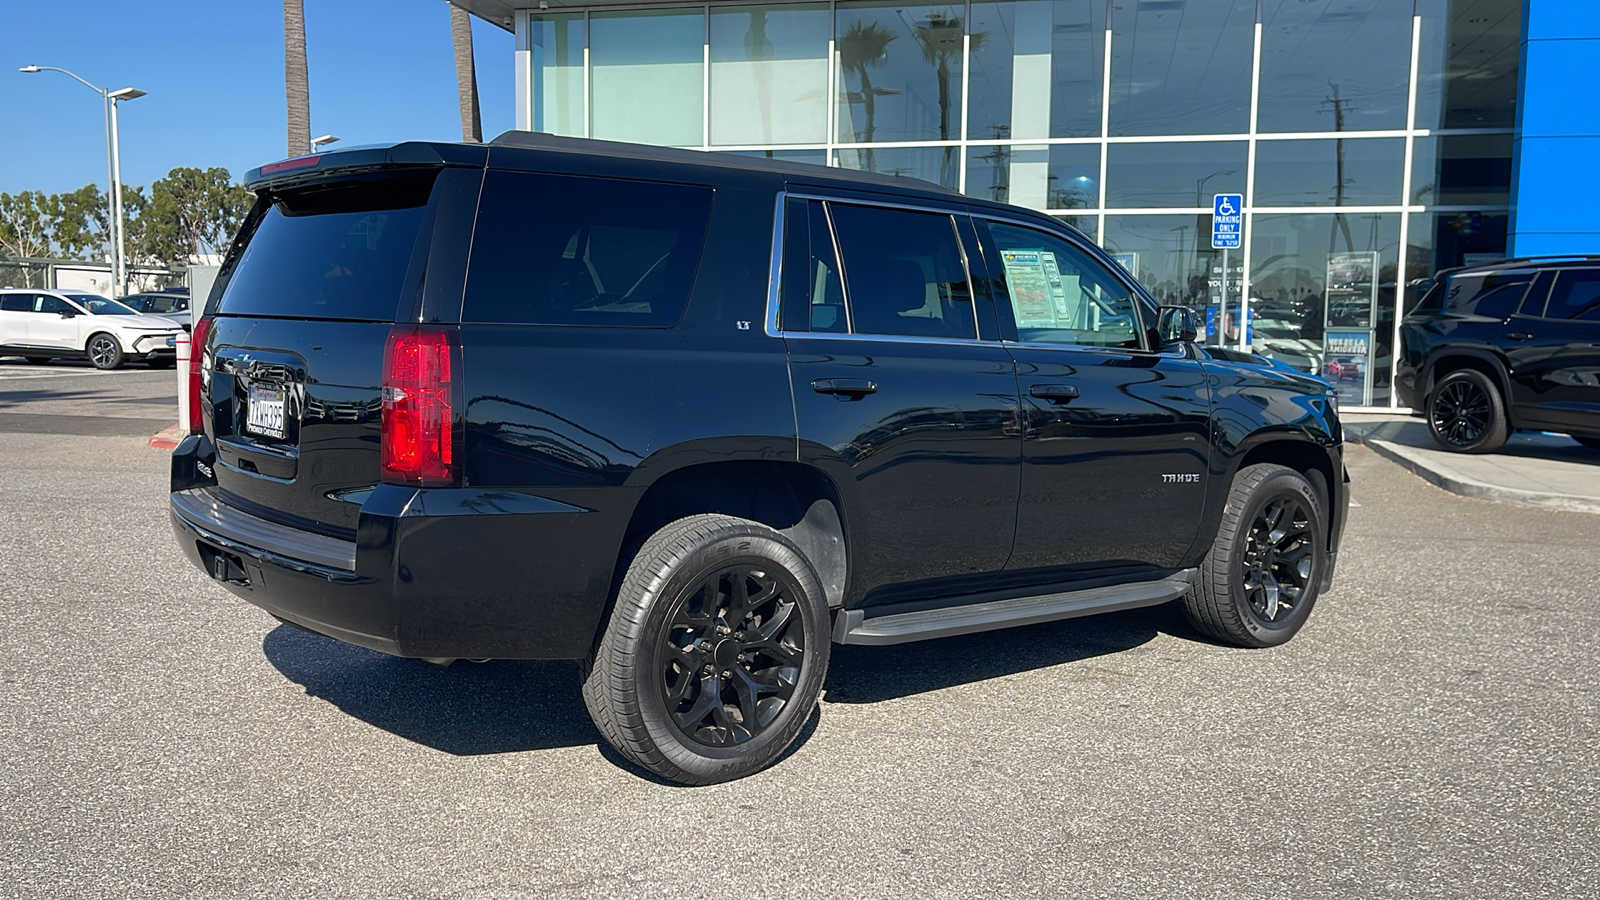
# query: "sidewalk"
{"points": [[1531, 469]]}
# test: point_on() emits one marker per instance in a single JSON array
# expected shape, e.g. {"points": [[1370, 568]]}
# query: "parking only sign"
{"points": [[1227, 221]]}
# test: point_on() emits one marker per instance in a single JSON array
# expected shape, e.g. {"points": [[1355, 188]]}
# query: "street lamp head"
{"points": [[126, 94], [29, 69], [318, 142]]}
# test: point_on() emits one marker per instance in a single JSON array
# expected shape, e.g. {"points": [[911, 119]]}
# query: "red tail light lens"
{"points": [[419, 424], [197, 394]]}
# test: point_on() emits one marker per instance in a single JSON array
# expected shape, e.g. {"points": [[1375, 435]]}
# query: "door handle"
{"points": [[1055, 393], [846, 387], [1519, 336]]}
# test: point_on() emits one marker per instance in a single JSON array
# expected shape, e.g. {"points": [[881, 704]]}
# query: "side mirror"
{"points": [[1176, 324], [68, 313]]}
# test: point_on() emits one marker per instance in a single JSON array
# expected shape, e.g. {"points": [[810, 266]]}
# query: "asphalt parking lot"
{"points": [[1430, 734]]}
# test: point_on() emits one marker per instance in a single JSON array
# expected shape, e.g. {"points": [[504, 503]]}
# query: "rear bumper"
{"points": [[432, 573]]}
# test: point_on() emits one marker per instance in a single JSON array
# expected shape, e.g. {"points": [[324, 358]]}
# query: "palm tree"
{"points": [[296, 89], [466, 74], [940, 39], [865, 47]]}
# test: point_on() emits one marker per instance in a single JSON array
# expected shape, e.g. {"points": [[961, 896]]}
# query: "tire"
{"points": [[1466, 413], [1593, 443], [38, 360], [670, 642], [1256, 590], [104, 352]]}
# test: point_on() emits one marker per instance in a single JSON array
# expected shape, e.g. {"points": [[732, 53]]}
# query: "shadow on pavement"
{"points": [[502, 706], [872, 674], [507, 706]]}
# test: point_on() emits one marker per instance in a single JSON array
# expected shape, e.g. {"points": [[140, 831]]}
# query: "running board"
{"points": [[852, 627]]}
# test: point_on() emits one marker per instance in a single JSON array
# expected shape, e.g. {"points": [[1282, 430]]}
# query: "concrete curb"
{"points": [[168, 437], [1466, 487]]}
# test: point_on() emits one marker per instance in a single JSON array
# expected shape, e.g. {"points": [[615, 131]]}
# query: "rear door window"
{"points": [[16, 303], [1576, 296], [574, 250], [903, 272], [331, 252], [1495, 295]]}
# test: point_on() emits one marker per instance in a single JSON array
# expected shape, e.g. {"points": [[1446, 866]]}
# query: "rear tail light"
{"points": [[420, 432], [197, 355]]}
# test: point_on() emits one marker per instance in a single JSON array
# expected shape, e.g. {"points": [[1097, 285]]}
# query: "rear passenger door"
{"points": [[1116, 449], [1553, 347], [898, 399], [16, 310]]}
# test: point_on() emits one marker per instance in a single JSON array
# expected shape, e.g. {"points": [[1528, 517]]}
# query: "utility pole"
{"points": [[1339, 108]]}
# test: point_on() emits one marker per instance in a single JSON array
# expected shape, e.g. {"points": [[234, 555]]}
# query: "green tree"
{"points": [[81, 223], [25, 223], [189, 214]]}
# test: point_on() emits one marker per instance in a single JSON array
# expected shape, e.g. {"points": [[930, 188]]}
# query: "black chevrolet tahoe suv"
{"points": [[690, 419], [1504, 345]]}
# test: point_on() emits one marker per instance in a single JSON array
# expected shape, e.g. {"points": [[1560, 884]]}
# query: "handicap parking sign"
{"points": [[1227, 221]]}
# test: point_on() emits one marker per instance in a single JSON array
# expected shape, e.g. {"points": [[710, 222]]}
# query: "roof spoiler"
{"points": [[319, 166]]}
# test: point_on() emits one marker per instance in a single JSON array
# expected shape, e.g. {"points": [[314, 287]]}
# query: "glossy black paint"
{"points": [[948, 478], [1547, 369]]}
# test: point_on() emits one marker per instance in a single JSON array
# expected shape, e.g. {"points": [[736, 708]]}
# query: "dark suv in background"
{"points": [[691, 418], [1507, 345]]}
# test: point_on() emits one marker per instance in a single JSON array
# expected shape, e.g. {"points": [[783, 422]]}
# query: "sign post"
{"points": [[1227, 231]]}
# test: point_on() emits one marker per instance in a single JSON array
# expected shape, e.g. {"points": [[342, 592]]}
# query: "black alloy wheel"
{"points": [[1260, 581], [715, 652], [1466, 413], [730, 656], [105, 352], [1276, 568]]}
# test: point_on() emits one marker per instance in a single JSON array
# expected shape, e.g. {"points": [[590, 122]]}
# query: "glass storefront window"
{"points": [[1180, 174], [769, 74], [1181, 68], [1171, 255], [814, 157], [1333, 172], [1089, 225], [1334, 67], [557, 70], [1322, 297], [1462, 170], [1443, 240], [1467, 73], [1036, 68], [935, 164], [1056, 176], [648, 75], [899, 71]]}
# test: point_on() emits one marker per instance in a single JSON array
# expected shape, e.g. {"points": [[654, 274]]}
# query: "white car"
{"points": [[41, 325]]}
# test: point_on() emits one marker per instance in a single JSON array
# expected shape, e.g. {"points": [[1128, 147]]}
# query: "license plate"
{"points": [[265, 411]]}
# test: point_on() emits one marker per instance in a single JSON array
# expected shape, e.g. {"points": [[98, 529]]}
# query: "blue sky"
{"points": [[380, 71]]}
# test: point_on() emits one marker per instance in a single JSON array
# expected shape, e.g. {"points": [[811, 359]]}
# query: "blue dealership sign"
{"points": [[1227, 221]]}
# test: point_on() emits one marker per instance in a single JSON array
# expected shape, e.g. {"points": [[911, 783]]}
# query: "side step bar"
{"points": [[852, 627]]}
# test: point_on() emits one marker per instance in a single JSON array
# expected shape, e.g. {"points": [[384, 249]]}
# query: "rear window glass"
{"points": [[1495, 295], [335, 252], [573, 250]]}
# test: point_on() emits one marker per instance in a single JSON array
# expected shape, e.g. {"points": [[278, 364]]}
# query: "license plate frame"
{"points": [[265, 411]]}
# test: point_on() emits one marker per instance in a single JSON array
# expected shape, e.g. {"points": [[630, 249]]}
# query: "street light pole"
{"points": [[114, 229]]}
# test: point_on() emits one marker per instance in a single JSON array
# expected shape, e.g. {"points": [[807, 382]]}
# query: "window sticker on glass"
{"points": [[1035, 287]]}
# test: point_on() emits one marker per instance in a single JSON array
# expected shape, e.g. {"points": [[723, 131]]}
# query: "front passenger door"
{"points": [[1116, 435], [49, 328]]}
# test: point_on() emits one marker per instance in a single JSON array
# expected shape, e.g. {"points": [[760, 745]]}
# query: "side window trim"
{"points": [[1135, 295], [838, 261]]}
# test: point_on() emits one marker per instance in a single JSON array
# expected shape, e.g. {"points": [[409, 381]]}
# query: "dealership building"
{"points": [[1373, 141]]}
